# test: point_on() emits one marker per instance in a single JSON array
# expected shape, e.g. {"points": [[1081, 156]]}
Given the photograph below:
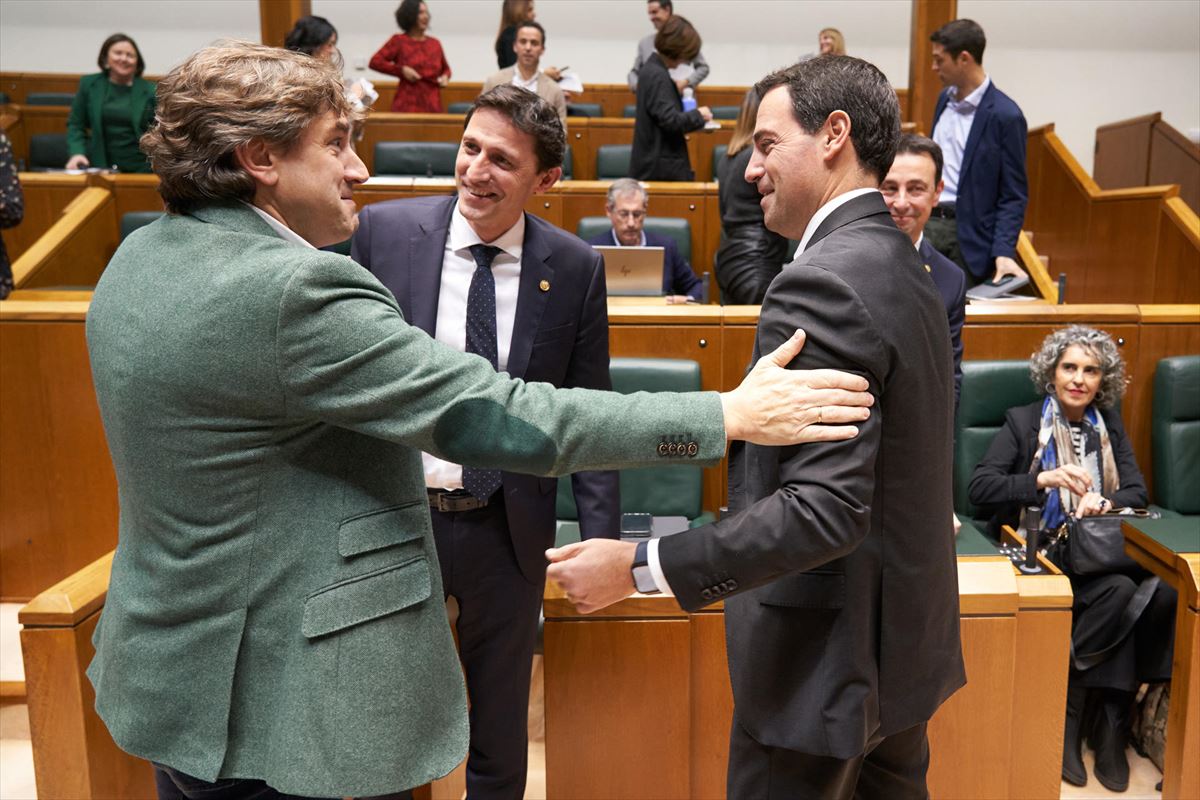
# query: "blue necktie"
{"points": [[481, 340]]}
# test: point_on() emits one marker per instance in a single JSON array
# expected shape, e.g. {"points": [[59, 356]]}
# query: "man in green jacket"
{"points": [[274, 616]]}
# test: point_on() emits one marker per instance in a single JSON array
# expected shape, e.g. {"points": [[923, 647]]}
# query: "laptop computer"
{"points": [[636, 271]]}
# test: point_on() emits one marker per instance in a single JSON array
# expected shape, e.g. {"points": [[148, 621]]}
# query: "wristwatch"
{"points": [[643, 579]]}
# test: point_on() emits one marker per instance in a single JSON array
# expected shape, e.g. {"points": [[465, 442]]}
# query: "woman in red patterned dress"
{"points": [[416, 59]]}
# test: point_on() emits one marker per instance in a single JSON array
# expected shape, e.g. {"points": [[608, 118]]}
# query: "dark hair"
{"points": [[309, 34], [960, 35], [530, 24], [407, 13], [529, 114], [743, 129], [512, 13], [665, 5], [820, 86], [117, 38], [922, 145], [677, 39]]}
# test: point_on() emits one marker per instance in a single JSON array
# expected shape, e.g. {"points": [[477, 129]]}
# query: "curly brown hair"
{"points": [[222, 97], [1044, 362]]}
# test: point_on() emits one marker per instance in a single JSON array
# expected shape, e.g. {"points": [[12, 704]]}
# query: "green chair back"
{"points": [[612, 161], [725, 112], [584, 110], [416, 159], [717, 156], [629, 111], [568, 165], [1175, 434], [48, 151], [989, 389], [3, 98], [677, 228], [133, 220], [458, 108], [49, 98], [674, 491]]}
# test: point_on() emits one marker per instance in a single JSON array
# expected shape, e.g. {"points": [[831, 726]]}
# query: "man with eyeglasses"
{"points": [[626, 209]]}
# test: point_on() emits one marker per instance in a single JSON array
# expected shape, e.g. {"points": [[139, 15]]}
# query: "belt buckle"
{"points": [[448, 502]]}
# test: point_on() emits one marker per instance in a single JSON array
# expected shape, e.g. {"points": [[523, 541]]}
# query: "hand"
{"points": [[78, 162], [1006, 266], [677, 299], [1074, 479], [356, 89], [682, 84], [442, 80], [567, 96], [1092, 503], [553, 73], [705, 112], [957, 523], [409, 74], [777, 406], [594, 573]]}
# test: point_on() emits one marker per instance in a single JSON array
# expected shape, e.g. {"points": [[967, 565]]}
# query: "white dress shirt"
{"points": [[951, 132], [531, 84], [458, 267], [822, 213], [617, 241], [285, 233]]}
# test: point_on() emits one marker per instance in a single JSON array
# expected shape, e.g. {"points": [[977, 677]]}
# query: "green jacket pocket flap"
{"points": [[366, 597], [825, 590], [379, 529]]}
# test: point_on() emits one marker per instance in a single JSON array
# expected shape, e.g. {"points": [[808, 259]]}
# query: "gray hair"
{"points": [[625, 186], [1044, 362]]}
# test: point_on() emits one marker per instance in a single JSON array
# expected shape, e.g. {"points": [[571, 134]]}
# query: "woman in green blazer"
{"points": [[111, 110]]}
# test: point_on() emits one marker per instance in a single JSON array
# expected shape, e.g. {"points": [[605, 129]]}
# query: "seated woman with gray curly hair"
{"points": [[1068, 453]]}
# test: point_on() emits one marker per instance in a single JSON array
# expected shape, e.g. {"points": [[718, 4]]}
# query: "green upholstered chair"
{"points": [[1175, 435], [989, 389], [49, 98], [677, 228], [568, 164], [612, 161], [670, 491], [629, 111], [725, 112], [4, 98], [133, 220], [458, 108], [48, 151], [718, 153], [584, 110], [417, 159]]}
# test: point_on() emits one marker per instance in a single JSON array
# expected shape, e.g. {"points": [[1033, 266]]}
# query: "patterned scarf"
{"points": [[1056, 447]]}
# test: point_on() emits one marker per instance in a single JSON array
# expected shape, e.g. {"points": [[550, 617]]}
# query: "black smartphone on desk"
{"points": [[636, 525]]}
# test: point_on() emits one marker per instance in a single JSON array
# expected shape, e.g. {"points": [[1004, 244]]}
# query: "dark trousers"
{"points": [[893, 769], [171, 784], [1144, 655], [497, 631], [943, 235]]}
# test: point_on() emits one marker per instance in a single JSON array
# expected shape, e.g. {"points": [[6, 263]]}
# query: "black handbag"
{"points": [[1094, 545]]}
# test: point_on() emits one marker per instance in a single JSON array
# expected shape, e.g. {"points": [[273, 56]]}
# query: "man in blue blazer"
{"points": [[626, 208], [552, 324], [911, 190], [982, 135]]}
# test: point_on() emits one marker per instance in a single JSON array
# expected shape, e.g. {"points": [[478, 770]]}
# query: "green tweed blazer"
{"points": [[275, 608]]}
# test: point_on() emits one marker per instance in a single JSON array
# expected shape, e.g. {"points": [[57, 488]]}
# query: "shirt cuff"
{"points": [[660, 579]]}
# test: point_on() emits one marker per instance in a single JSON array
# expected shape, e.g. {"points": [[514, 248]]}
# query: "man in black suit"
{"points": [[550, 318], [626, 206], [837, 567], [911, 190]]}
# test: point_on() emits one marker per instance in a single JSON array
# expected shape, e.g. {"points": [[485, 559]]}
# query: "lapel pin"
{"points": [[544, 285]]}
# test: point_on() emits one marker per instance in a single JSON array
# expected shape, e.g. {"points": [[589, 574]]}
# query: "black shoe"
{"points": [[1110, 737], [1073, 770]]}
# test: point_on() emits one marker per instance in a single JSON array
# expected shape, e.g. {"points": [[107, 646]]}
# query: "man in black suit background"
{"points": [[837, 565], [549, 321]]}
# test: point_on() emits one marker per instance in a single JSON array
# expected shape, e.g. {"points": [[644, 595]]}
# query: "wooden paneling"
{"points": [[58, 493], [1178, 275], [76, 248], [1061, 224], [1121, 250], [923, 85], [1175, 159], [46, 196], [1123, 152], [616, 676], [18, 85], [389, 127], [36, 120], [276, 18], [711, 706]]}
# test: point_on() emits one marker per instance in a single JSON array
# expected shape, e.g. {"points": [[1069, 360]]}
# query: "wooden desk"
{"points": [[1170, 548], [644, 659]]}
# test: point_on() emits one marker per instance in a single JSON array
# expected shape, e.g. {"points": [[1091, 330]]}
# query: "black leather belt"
{"points": [[457, 500], [943, 211]]}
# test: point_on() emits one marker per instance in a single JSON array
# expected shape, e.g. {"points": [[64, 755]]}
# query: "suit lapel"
{"points": [[866, 205], [425, 250], [983, 116], [531, 300]]}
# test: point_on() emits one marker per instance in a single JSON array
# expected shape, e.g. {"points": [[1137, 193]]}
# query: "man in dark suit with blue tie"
{"points": [[982, 135], [479, 274], [911, 190]]}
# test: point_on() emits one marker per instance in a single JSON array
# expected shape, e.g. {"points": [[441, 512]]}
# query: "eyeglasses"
{"points": [[630, 215]]}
